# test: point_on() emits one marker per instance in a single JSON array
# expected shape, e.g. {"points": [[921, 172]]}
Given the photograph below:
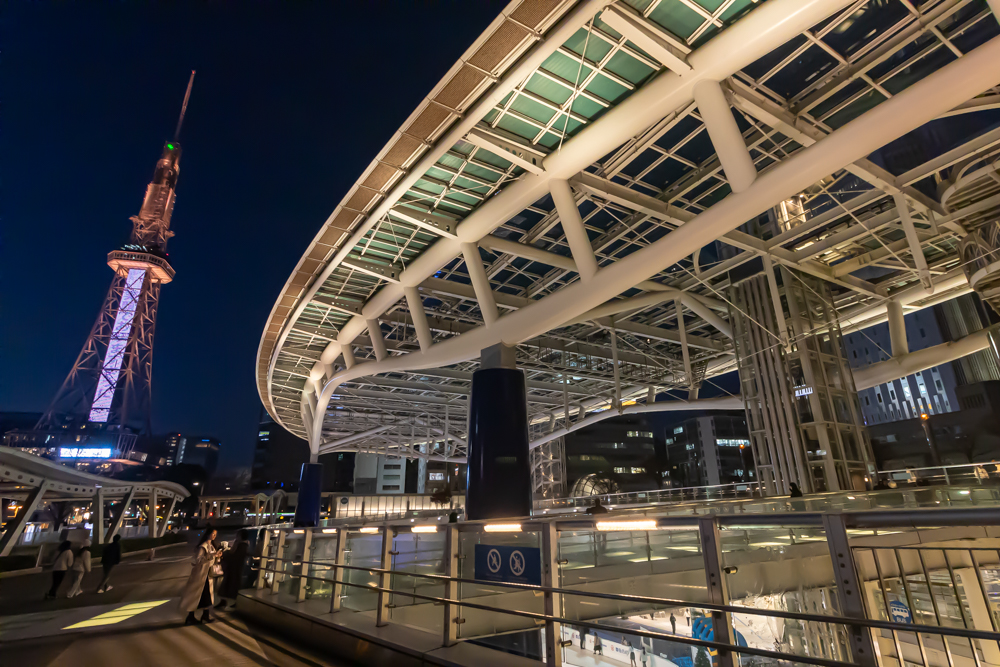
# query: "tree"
{"points": [[702, 659]]}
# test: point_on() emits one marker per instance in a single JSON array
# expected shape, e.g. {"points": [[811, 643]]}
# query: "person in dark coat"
{"points": [[111, 556], [233, 562]]}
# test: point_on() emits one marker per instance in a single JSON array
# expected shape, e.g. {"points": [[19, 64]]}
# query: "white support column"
{"points": [[348, 352], [97, 517], [151, 517], [304, 572], [572, 225], [166, 517], [912, 240], [120, 519], [265, 537], [16, 525], [779, 311], [416, 306], [378, 342], [685, 353], [897, 328], [552, 601], [279, 564], [451, 612], [725, 134], [480, 283], [384, 597], [340, 558]]}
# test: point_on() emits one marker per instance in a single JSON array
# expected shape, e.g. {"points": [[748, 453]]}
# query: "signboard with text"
{"points": [[511, 565]]}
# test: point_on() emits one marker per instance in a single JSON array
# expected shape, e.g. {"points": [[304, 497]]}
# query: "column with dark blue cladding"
{"points": [[499, 475], [310, 489]]}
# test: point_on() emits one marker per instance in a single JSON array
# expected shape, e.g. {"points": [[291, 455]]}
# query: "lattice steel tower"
{"points": [[106, 396]]}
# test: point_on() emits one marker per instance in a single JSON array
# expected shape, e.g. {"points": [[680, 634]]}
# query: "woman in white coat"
{"points": [[198, 592], [80, 567]]}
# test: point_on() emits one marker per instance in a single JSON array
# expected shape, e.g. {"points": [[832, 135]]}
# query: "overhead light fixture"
{"points": [[369, 529], [644, 524], [329, 530], [502, 528], [424, 529], [298, 532]]}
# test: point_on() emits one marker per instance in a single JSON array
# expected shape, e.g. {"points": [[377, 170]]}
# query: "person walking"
{"points": [[80, 567], [233, 562], [631, 653], [597, 507], [111, 556], [64, 560], [598, 648], [199, 591], [645, 657], [673, 623]]}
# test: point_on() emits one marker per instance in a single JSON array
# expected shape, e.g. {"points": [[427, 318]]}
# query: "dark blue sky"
{"points": [[291, 103]]}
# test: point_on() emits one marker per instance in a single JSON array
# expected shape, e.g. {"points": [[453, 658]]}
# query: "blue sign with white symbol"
{"points": [[511, 565], [900, 612]]}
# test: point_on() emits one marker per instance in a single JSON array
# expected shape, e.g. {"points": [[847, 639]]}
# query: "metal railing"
{"points": [[962, 473], [850, 628], [718, 492]]}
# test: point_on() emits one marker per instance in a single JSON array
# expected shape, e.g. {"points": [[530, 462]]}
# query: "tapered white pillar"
{"points": [[378, 342], [480, 283], [348, 353], [725, 134], [897, 328], [416, 306], [572, 224]]}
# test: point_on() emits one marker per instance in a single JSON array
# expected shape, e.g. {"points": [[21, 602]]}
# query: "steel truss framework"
{"points": [[565, 188]]}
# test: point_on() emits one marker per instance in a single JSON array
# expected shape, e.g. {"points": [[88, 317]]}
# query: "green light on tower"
{"points": [[170, 147]]}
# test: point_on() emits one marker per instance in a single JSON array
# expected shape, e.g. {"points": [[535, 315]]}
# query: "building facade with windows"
{"points": [[624, 453], [708, 451], [931, 392]]}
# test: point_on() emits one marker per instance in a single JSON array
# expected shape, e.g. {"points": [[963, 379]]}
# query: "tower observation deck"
{"points": [[104, 403]]}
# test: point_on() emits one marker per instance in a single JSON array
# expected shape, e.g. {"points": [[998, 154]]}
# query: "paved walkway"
{"points": [[136, 623]]}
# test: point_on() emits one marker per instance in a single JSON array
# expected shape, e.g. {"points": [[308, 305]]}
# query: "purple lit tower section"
{"points": [[107, 395]]}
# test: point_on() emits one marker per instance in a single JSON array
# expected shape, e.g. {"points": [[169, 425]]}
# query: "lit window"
{"points": [[678, 429]]}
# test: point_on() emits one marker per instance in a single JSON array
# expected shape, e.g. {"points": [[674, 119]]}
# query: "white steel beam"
{"points": [[648, 37], [913, 240], [897, 328], [725, 134], [572, 226], [480, 283], [921, 360], [419, 316], [377, 340]]}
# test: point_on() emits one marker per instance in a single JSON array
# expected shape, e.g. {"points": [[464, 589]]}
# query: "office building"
{"points": [[709, 451], [203, 452], [278, 457], [620, 454]]}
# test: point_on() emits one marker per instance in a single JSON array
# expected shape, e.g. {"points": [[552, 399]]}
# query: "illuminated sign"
{"points": [[85, 452], [436, 476], [803, 390], [731, 442]]}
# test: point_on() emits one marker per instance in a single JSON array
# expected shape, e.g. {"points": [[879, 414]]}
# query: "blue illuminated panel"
{"points": [[85, 452]]}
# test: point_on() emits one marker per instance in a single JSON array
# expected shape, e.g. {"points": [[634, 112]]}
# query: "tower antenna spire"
{"points": [[184, 106]]}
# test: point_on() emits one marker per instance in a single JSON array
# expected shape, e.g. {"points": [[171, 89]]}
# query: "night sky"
{"points": [[290, 104]]}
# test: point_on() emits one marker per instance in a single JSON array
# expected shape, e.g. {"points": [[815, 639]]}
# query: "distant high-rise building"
{"points": [[197, 451], [709, 451], [620, 454], [278, 457]]}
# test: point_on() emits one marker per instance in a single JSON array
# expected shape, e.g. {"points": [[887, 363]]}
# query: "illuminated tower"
{"points": [[105, 400]]}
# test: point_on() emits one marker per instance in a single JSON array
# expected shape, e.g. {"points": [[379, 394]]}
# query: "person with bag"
{"points": [[81, 566], [199, 590], [233, 562], [64, 560]]}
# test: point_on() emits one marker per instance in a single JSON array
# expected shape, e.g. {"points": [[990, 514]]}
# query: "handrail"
{"points": [[820, 662], [798, 616]]}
